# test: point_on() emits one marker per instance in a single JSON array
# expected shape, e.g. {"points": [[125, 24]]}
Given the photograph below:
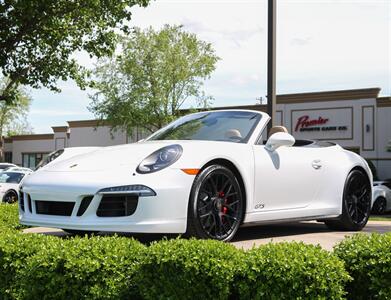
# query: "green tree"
{"points": [[13, 116], [152, 77], [38, 39]]}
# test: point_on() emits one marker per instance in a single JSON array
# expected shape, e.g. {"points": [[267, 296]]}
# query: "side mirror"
{"points": [[279, 139]]}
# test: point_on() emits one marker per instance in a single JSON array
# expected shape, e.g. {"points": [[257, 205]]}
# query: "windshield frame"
{"points": [[245, 140]]}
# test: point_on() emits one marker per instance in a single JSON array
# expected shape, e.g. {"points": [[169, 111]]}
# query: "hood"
{"points": [[108, 158]]}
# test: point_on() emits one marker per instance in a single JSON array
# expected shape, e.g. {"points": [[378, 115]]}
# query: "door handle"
{"points": [[317, 164]]}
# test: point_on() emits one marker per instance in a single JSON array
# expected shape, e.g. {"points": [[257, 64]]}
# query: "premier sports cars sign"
{"points": [[323, 124]]}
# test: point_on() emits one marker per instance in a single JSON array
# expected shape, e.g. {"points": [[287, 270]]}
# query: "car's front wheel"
{"points": [[356, 204], [216, 204]]}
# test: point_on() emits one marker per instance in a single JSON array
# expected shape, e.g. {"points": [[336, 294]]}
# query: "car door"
{"points": [[286, 178]]}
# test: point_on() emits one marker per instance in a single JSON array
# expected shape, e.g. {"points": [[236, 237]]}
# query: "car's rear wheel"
{"points": [[380, 205], [79, 232], [10, 197], [216, 204], [356, 204]]}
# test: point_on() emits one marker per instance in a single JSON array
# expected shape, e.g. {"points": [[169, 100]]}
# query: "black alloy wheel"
{"points": [[356, 204], [380, 205], [10, 197], [216, 204]]}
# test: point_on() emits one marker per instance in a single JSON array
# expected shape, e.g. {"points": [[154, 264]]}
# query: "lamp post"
{"points": [[271, 62]]}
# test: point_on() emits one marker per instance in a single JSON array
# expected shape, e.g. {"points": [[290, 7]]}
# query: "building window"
{"points": [[8, 157], [31, 160]]}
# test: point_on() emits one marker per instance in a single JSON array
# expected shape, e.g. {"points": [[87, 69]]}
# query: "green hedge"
{"points": [[368, 260], [47, 267], [35, 266], [9, 217], [82, 268], [188, 269], [291, 271], [15, 251]]}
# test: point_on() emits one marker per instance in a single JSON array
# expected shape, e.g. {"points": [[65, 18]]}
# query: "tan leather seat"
{"points": [[233, 134], [276, 129]]}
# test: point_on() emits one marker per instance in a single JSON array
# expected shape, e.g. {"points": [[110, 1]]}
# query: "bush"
{"points": [[15, 250], [36, 266], [368, 260], [291, 271], [9, 217], [188, 269], [82, 268]]}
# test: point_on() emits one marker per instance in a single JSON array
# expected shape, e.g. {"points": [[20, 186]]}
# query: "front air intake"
{"points": [[29, 203], [117, 205], [55, 208], [85, 202], [21, 201]]}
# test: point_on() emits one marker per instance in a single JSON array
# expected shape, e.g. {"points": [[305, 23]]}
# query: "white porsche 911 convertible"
{"points": [[205, 175]]}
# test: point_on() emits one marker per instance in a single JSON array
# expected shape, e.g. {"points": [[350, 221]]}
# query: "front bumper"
{"points": [[166, 212]]}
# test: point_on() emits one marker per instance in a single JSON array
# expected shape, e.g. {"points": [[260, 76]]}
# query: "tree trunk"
{"points": [[2, 116]]}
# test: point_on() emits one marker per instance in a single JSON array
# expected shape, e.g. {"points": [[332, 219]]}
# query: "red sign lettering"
{"points": [[305, 121]]}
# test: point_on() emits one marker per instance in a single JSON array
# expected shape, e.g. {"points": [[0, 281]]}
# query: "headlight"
{"points": [[52, 156], [160, 159]]}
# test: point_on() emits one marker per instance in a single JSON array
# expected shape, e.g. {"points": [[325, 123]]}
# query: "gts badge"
{"points": [[260, 206], [75, 165]]}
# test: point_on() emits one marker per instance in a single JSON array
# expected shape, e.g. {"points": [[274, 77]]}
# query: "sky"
{"points": [[321, 45]]}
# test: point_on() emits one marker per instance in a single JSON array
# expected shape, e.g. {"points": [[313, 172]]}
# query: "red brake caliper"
{"points": [[224, 209]]}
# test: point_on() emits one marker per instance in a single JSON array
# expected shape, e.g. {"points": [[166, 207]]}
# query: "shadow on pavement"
{"points": [[279, 230]]}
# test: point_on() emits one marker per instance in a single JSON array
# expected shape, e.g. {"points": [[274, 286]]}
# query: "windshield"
{"points": [[11, 177], [229, 126]]}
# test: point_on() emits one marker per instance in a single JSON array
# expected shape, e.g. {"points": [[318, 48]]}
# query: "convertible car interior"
{"points": [[299, 143]]}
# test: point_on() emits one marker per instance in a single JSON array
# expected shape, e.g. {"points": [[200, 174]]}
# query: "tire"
{"points": [[10, 197], [356, 203], [380, 205], [216, 205], [79, 232]]}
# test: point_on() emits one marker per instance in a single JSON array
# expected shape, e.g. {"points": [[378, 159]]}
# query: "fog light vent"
{"points": [[85, 202]]}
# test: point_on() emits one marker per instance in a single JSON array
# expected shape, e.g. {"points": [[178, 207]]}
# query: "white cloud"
{"points": [[321, 45], [301, 41]]}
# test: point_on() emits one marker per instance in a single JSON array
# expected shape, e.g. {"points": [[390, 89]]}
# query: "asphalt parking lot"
{"points": [[308, 232], [247, 237]]}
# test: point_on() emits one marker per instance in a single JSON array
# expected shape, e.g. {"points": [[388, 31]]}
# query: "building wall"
{"points": [[382, 158], [99, 136], [30, 146], [337, 113], [7, 147]]}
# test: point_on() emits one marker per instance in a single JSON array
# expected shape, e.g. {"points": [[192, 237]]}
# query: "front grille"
{"points": [[117, 205], [54, 208], [85, 202]]}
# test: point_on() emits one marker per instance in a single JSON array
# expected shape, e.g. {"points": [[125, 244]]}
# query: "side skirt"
{"points": [[289, 220]]}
